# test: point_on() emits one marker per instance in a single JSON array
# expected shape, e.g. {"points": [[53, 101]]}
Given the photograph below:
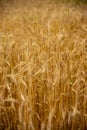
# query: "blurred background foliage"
{"points": [[76, 1], [10, 3]]}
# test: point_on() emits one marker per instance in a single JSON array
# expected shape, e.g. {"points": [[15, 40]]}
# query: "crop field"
{"points": [[43, 65]]}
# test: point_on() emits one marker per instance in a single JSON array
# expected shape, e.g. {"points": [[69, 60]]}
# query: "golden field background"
{"points": [[43, 66]]}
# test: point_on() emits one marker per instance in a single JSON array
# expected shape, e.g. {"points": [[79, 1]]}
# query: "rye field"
{"points": [[43, 65]]}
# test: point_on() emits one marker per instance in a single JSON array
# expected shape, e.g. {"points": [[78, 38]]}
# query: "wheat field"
{"points": [[43, 66]]}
